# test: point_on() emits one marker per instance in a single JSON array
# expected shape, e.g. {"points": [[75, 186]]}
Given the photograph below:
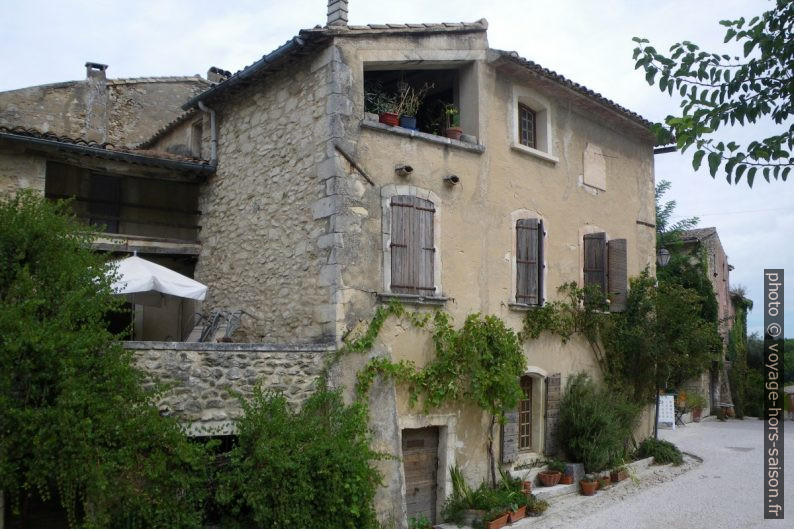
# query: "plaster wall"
{"points": [[19, 170]]}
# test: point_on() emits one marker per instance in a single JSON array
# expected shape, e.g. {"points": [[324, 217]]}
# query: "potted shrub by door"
{"points": [[696, 402], [567, 475], [588, 484]]}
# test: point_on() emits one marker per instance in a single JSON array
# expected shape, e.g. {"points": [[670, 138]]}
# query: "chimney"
{"points": [[337, 12], [94, 70], [217, 75]]}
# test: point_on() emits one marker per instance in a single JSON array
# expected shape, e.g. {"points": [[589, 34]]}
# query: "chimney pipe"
{"points": [[337, 13], [95, 70]]}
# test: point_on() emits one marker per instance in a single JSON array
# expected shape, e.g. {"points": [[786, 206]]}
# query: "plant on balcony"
{"points": [[382, 103], [452, 120], [409, 99]]}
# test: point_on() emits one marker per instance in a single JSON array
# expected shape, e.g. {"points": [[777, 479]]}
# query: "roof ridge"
{"points": [[157, 79]]}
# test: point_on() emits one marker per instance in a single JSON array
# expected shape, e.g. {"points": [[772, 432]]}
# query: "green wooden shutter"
{"points": [[595, 260], [618, 275], [528, 261]]}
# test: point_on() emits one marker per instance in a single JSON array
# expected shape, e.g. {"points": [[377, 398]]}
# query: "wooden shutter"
{"points": [[510, 437], [595, 260], [618, 276], [553, 395], [528, 261], [412, 246]]}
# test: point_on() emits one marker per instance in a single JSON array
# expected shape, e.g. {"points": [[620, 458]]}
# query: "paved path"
{"points": [[725, 491]]}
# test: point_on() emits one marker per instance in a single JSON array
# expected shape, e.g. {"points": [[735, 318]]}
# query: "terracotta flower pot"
{"points": [[453, 133], [514, 516], [526, 487], [604, 481], [566, 479], [588, 487], [696, 413], [498, 523], [389, 118], [549, 478], [618, 475]]}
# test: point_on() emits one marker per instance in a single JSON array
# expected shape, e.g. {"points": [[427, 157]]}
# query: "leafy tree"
{"points": [[75, 422], [719, 90], [668, 233]]}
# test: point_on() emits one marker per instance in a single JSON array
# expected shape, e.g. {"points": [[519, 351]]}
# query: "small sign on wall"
{"points": [[667, 410]]}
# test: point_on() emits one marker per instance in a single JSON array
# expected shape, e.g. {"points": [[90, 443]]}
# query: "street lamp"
{"points": [[662, 258]]}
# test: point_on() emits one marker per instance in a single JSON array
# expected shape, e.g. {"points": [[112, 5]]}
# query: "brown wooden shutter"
{"points": [[528, 261], [425, 249], [412, 246], [401, 211], [595, 260], [618, 275], [553, 396], [510, 437], [541, 261]]}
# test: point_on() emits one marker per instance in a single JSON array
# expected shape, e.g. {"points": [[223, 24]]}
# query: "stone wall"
{"points": [[266, 212], [21, 171], [123, 112], [204, 374]]}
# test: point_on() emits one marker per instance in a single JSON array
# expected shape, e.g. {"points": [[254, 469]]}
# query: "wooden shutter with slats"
{"points": [[412, 246], [595, 260], [618, 275], [553, 398], [529, 261]]}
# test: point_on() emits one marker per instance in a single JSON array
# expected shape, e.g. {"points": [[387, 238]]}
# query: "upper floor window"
{"points": [[410, 242], [605, 265], [529, 261], [526, 126]]}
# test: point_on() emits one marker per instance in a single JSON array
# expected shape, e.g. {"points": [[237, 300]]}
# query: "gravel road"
{"points": [[723, 491]]}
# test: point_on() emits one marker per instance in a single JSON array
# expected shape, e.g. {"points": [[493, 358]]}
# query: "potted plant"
{"points": [[604, 481], [452, 117], [567, 475], [385, 105], [696, 402], [551, 476], [496, 518], [588, 484], [409, 100], [535, 507], [619, 474]]}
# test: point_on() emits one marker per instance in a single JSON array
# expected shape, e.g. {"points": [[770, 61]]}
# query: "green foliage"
{"points": [[719, 90], [668, 233], [75, 421], [581, 310], [663, 452], [481, 362], [596, 425], [556, 465], [536, 507], [419, 522], [304, 469]]}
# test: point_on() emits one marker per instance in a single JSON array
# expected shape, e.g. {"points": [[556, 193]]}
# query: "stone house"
{"points": [[303, 213], [704, 243]]}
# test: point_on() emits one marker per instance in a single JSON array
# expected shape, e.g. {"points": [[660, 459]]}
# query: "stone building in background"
{"points": [[303, 213]]}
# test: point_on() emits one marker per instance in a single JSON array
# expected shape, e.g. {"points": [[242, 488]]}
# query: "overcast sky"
{"points": [[588, 42]]}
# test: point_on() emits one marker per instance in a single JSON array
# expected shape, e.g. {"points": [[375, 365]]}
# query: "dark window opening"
{"points": [[526, 126], [441, 92]]}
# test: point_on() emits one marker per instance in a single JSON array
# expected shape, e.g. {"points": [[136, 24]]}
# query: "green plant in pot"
{"points": [[535, 507], [696, 402], [409, 99], [551, 476], [588, 484], [452, 119], [385, 105]]}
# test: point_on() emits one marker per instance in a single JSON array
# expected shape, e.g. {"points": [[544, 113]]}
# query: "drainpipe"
{"points": [[213, 133]]}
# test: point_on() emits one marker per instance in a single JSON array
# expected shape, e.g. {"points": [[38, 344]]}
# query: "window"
{"points": [[525, 415], [529, 261], [605, 265], [526, 126], [411, 252], [105, 202], [530, 124]]}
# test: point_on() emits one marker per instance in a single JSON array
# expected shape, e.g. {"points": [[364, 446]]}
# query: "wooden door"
{"points": [[420, 464]]}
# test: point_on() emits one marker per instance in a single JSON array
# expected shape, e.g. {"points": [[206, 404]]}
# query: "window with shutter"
{"points": [[412, 246], [618, 275], [595, 260], [525, 415], [529, 261]]}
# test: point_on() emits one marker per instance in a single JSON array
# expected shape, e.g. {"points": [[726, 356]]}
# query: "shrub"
{"points": [[301, 469], [663, 452], [596, 425]]}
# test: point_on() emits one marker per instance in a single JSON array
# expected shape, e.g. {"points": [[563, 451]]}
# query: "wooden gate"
{"points": [[420, 464]]}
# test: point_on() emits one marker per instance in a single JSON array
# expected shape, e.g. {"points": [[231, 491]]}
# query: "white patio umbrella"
{"points": [[139, 276]]}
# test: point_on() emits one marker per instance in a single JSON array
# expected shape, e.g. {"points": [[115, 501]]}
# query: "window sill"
{"points": [[423, 136], [522, 307], [534, 152], [413, 300]]}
